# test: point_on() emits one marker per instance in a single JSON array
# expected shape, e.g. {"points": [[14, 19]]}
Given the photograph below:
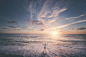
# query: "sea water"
{"points": [[31, 45]]}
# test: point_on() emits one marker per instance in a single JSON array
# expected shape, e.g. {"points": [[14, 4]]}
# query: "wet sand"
{"points": [[9, 55]]}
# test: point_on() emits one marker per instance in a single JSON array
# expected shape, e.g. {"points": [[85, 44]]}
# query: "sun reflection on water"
{"points": [[54, 37]]}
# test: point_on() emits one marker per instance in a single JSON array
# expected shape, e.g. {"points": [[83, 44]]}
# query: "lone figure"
{"points": [[45, 45]]}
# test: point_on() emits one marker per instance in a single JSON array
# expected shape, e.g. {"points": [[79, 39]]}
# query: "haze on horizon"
{"points": [[43, 16]]}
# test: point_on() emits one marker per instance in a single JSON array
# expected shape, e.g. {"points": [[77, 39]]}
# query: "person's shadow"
{"points": [[43, 54]]}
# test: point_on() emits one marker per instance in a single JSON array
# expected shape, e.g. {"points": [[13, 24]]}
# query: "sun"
{"points": [[54, 32]]}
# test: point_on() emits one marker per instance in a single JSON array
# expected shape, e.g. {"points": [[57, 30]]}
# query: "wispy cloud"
{"points": [[42, 30], [81, 28], [12, 26], [22, 28], [4, 28], [75, 17], [12, 21], [48, 11], [72, 23], [35, 22], [50, 21], [16, 28]]}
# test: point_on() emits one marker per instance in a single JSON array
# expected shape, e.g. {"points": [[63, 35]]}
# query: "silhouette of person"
{"points": [[45, 45]]}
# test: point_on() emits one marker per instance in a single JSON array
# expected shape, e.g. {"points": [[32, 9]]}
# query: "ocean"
{"points": [[32, 45]]}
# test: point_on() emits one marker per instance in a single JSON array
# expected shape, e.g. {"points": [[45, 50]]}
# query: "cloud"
{"points": [[81, 28], [72, 23], [12, 26], [50, 21], [49, 14], [49, 10], [75, 17], [46, 11], [35, 22], [4, 28], [18, 26], [31, 10], [72, 28], [28, 20], [11, 21], [23, 27], [42, 30], [56, 12], [17, 29]]}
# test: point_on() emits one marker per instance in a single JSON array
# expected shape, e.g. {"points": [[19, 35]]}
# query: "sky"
{"points": [[43, 16]]}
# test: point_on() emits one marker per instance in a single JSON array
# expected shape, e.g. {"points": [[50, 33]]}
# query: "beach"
{"points": [[31, 45]]}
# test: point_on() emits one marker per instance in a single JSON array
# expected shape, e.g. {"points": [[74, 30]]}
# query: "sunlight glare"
{"points": [[54, 32]]}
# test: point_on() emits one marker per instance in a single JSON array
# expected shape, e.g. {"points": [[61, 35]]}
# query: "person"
{"points": [[45, 45], [45, 50]]}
